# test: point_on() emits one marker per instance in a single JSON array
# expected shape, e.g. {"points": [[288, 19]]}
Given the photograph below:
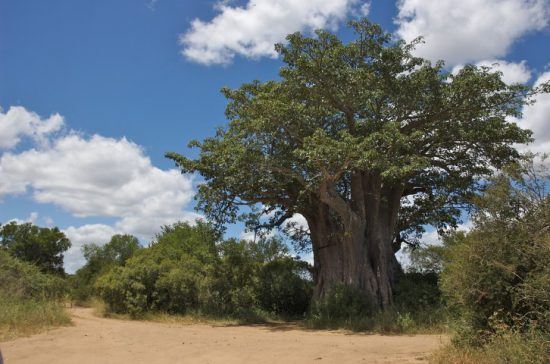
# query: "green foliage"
{"points": [[417, 308], [426, 259], [509, 347], [29, 299], [417, 292], [343, 306], [24, 280], [42, 247], [496, 276], [99, 260], [189, 269], [117, 251], [282, 288]]}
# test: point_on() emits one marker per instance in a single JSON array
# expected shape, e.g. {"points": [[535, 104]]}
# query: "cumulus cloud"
{"points": [[33, 216], [18, 123], [536, 117], [511, 72], [364, 9], [252, 30], [296, 223], [97, 177], [462, 31]]}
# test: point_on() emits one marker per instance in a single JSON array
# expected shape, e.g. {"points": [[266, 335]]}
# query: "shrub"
{"points": [[99, 260], [342, 306], [417, 291], [190, 269], [29, 299], [282, 288], [510, 347], [24, 280], [496, 277], [417, 308]]}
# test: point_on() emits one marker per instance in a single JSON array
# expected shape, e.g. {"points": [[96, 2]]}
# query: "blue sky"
{"points": [[92, 92]]}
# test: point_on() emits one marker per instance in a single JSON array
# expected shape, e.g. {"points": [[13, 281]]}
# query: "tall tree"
{"points": [[366, 141], [43, 247]]}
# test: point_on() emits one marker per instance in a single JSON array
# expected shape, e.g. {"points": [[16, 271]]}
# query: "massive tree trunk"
{"points": [[352, 241]]}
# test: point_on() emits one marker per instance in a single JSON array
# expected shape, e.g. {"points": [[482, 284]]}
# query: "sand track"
{"points": [[99, 340]]}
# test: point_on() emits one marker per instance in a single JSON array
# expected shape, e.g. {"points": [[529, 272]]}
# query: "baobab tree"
{"points": [[368, 142]]}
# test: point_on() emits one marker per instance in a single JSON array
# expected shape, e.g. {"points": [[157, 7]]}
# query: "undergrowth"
{"points": [[29, 299], [22, 317], [511, 347], [417, 309]]}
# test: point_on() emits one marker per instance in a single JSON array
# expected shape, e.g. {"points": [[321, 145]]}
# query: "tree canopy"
{"points": [[43, 247]]}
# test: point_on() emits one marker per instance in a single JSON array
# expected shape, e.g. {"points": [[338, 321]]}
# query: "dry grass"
{"points": [[23, 317], [530, 348], [100, 310]]}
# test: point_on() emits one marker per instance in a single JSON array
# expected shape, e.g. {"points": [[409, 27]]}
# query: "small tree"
{"points": [[366, 141], [43, 247]]}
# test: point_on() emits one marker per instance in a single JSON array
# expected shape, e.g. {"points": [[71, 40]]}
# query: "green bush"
{"points": [[24, 280], [417, 292], [282, 288], [29, 299], [417, 308], [510, 347], [496, 276], [342, 305], [189, 269], [99, 260]]}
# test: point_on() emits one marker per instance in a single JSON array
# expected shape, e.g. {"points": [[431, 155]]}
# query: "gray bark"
{"points": [[352, 240]]}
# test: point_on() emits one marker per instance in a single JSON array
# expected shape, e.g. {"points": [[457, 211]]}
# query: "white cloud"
{"points": [[17, 123], [430, 238], [307, 257], [252, 236], [95, 177], [511, 72], [536, 117], [98, 176], [297, 222], [364, 9], [462, 31], [33, 216], [253, 29]]}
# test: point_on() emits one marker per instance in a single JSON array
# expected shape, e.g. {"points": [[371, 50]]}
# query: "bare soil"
{"points": [[100, 340]]}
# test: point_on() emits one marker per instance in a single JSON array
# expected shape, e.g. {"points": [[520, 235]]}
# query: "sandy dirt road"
{"points": [[99, 340]]}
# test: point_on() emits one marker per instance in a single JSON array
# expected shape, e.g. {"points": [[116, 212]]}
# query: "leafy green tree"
{"points": [[43, 247], [366, 141]]}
